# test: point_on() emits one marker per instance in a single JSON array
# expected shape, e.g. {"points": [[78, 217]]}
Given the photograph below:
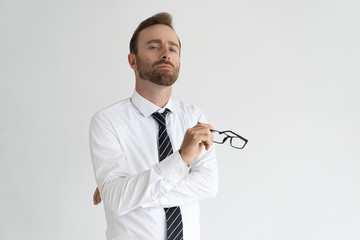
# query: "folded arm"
{"points": [[119, 191], [167, 183]]}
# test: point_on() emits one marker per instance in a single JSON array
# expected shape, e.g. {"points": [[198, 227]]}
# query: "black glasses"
{"points": [[236, 141]]}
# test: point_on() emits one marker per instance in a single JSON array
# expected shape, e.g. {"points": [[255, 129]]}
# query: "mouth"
{"points": [[164, 66]]}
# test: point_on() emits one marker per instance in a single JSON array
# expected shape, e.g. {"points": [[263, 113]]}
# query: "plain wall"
{"points": [[284, 74]]}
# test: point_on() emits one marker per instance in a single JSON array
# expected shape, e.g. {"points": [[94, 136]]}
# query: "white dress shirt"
{"points": [[133, 184]]}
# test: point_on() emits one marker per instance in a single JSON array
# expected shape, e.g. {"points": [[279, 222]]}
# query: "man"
{"points": [[153, 157]]}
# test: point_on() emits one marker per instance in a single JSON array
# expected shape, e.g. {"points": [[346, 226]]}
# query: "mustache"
{"points": [[163, 62]]}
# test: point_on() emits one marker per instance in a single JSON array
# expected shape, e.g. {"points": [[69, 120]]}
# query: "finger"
{"points": [[207, 146], [205, 125], [205, 139], [203, 130], [96, 197], [209, 141]]}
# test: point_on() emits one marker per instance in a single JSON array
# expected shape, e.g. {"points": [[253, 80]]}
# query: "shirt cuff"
{"points": [[174, 168]]}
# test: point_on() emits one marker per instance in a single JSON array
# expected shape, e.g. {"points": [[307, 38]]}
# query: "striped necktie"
{"points": [[173, 214]]}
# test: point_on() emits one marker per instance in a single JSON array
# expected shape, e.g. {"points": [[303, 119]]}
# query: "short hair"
{"points": [[160, 18]]}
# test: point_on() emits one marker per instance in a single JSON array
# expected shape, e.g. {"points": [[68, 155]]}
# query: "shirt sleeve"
{"points": [[201, 183], [120, 192]]}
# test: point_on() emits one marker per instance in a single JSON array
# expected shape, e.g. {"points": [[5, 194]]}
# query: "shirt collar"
{"points": [[146, 107]]}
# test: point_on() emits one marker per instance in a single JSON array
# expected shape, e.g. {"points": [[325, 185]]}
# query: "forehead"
{"points": [[158, 31]]}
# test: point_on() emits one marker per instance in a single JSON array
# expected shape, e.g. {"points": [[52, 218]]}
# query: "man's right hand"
{"points": [[194, 140], [96, 197]]}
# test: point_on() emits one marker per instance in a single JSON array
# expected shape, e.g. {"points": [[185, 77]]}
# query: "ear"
{"points": [[132, 61]]}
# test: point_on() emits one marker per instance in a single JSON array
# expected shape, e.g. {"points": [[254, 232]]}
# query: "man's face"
{"points": [[158, 58]]}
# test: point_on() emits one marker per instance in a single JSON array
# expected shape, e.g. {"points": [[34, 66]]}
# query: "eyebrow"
{"points": [[159, 42]]}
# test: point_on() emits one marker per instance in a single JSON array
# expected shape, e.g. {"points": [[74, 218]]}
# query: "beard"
{"points": [[162, 77]]}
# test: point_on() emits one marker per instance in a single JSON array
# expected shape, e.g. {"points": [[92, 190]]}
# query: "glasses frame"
{"points": [[230, 137]]}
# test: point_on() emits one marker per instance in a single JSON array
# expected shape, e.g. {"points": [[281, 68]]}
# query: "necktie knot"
{"points": [[161, 117]]}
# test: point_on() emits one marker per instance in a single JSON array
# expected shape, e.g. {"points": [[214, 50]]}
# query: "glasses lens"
{"points": [[218, 138], [237, 143]]}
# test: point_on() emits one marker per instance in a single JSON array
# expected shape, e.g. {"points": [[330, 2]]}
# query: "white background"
{"points": [[284, 74]]}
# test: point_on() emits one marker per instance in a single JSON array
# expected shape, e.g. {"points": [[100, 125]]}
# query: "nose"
{"points": [[165, 55]]}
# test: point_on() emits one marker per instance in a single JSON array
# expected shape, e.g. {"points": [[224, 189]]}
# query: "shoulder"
{"points": [[188, 110], [114, 110]]}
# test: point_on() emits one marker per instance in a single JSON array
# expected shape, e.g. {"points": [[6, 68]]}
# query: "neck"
{"points": [[158, 95]]}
